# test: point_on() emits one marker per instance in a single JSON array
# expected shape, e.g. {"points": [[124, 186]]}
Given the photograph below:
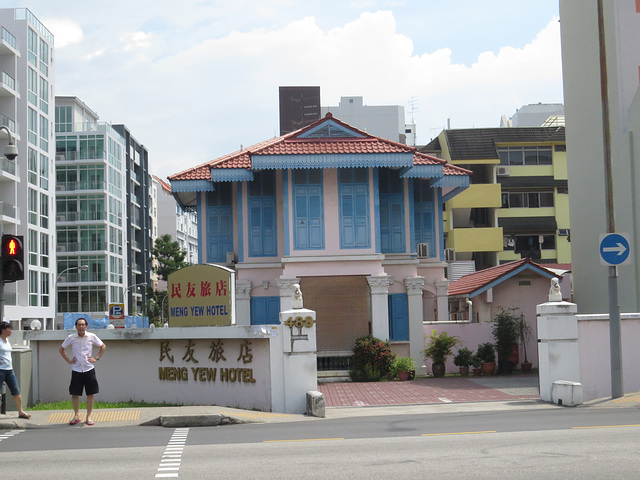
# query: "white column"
{"points": [[442, 299], [558, 355], [414, 287], [243, 302], [379, 286], [286, 292]]}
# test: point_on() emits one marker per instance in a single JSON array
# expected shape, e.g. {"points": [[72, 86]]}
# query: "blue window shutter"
{"points": [[219, 233], [424, 217], [348, 234], [308, 213], [392, 223], [262, 228], [361, 215], [398, 317], [265, 310]]}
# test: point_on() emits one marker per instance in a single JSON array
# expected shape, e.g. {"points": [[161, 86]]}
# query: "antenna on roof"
{"points": [[413, 104]]}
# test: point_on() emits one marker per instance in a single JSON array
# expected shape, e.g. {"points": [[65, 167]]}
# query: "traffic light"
{"points": [[12, 258]]}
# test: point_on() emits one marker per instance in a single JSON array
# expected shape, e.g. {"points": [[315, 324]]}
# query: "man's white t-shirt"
{"points": [[82, 347]]}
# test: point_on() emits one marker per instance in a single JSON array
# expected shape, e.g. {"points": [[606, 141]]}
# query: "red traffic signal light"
{"points": [[12, 258]]}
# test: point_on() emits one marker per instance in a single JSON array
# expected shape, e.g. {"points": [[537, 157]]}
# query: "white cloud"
{"points": [[65, 31], [222, 91]]}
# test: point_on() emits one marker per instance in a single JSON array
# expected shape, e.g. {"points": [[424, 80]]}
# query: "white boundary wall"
{"points": [[247, 367]]}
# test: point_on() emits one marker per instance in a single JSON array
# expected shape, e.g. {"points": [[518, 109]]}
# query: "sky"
{"points": [[193, 80]]}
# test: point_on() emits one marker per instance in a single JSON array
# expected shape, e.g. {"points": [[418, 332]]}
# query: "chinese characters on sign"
{"points": [[204, 373], [201, 295]]}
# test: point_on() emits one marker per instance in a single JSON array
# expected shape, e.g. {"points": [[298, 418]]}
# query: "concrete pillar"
{"points": [[243, 302], [286, 292], [558, 354], [442, 300], [379, 286], [299, 359], [416, 331]]}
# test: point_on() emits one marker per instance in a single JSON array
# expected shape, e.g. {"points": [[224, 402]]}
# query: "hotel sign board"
{"points": [[201, 295]]}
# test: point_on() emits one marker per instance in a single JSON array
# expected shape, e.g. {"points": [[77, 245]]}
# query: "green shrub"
{"points": [[402, 364], [439, 346], [487, 352], [464, 358], [372, 359]]}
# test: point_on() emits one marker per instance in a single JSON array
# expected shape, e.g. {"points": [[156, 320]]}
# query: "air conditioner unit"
{"points": [[502, 171], [231, 259], [59, 188], [423, 250], [60, 158], [60, 218], [450, 254], [61, 248], [564, 232]]}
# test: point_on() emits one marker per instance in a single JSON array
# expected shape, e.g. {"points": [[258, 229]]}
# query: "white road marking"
{"points": [[170, 462]]}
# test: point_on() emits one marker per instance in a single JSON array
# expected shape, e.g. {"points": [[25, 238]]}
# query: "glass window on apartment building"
{"points": [[527, 199], [525, 156]]}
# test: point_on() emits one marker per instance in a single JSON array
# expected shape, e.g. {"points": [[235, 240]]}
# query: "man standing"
{"points": [[83, 374]]}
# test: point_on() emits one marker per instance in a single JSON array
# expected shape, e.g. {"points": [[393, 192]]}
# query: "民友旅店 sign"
{"points": [[201, 295]]}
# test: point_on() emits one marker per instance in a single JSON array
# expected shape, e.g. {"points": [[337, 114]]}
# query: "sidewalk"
{"points": [[420, 396]]}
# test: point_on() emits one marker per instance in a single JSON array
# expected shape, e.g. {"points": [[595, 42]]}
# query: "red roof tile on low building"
{"points": [[291, 144], [480, 279]]}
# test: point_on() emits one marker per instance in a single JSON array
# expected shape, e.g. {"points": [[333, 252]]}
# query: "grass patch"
{"points": [[66, 405]]}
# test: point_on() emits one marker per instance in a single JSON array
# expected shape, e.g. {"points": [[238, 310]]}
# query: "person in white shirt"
{"points": [[83, 372], [6, 368]]}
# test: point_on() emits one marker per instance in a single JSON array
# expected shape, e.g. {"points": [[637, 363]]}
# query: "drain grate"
{"points": [[101, 416]]}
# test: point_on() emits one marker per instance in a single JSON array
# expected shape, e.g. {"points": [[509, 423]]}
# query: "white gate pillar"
{"points": [[416, 331], [379, 286], [243, 302]]}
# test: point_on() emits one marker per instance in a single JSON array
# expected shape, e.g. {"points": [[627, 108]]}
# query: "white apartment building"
{"points": [[386, 121], [174, 220], [91, 215], [27, 184]]}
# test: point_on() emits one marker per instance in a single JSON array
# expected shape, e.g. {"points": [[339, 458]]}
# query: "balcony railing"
{"points": [[81, 246], [75, 216], [9, 38], [8, 122], [8, 210], [8, 80], [85, 185], [8, 166]]}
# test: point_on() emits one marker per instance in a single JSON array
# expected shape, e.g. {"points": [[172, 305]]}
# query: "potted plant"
{"points": [[475, 362], [487, 356], [505, 333], [438, 349], [524, 334], [463, 360], [402, 366]]}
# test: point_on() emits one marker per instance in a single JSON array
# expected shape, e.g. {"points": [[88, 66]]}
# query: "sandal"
{"points": [[89, 422], [74, 421], [24, 415]]}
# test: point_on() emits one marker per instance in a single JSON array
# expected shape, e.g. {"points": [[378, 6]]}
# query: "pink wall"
{"points": [[507, 294]]}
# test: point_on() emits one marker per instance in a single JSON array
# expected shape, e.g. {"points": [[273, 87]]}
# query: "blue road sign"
{"points": [[615, 249]]}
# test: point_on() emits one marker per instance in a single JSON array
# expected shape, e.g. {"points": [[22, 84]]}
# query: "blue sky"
{"points": [[195, 79]]}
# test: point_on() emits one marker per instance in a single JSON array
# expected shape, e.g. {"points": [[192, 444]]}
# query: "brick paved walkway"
{"points": [[430, 390]]}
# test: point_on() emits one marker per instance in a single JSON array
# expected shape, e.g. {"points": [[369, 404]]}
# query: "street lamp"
{"points": [[162, 308], [10, 151], [124, 290], [83, 268]]}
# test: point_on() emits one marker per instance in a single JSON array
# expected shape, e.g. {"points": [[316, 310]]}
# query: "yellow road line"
{"points": [[456, 433], [303, 440], [606, 426]]}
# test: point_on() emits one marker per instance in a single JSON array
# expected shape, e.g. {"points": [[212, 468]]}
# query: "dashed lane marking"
{"points": [[172, 457]]}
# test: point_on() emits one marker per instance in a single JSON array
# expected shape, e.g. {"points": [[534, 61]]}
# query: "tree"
{"points": [[169, 256]]}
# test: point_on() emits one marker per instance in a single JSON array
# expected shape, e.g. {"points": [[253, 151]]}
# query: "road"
{"points": [[549, 443]]}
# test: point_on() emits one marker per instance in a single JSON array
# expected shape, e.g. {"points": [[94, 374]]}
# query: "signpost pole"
{"points": [[615, 340]]}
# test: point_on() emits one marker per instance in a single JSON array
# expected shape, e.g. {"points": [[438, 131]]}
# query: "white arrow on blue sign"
{"points": [[615, 249]]}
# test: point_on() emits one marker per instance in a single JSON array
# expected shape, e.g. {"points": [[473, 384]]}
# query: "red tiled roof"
{"points": [[290, 144], [477, 280], [163, 184]]}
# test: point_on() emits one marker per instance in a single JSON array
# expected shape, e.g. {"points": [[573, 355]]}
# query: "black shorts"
{"points": [[87, 380]]}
